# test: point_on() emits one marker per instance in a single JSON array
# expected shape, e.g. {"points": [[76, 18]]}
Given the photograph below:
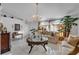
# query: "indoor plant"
{"points": [[68, 22]]}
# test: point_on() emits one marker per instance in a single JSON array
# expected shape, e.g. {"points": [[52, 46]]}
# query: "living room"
{"points": [[39, 28]]}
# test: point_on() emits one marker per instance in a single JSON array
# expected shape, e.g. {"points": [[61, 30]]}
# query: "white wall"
{"points": [[75, 29], [25, 27], [9, 23], [33, 25]]}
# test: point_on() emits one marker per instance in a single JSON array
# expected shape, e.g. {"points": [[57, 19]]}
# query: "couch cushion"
{"points": [[73, 41]]}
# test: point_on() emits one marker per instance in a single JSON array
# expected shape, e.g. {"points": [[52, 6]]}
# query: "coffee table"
{"points": [[32, 43]]}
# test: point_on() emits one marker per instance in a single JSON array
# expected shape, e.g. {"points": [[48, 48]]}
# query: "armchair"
{"points": [[69, 44]]}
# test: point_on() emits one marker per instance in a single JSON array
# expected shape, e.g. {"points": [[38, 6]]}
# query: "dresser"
{"points": [[4, 42]]}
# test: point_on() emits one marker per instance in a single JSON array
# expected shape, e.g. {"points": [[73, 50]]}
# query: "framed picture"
{"points": [[17, 27]]}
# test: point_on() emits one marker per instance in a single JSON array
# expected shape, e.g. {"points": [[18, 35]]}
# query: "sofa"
{"points": [[69, 45]]}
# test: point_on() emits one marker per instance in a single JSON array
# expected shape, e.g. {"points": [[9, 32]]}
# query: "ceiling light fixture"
{"points": [[36, 17]]}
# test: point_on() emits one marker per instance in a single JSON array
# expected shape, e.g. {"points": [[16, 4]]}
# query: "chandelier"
{"points": [[36, 17]]}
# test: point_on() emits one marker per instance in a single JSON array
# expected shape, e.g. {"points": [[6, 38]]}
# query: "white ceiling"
{"points": [[46, 10]]}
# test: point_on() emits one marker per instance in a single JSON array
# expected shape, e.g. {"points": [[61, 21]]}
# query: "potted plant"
{"points": [[68, 22]]}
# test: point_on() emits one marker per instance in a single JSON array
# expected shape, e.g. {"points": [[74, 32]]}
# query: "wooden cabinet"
{"points": [[4, 42]]}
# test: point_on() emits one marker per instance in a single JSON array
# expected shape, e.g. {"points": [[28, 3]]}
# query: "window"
{"points": [[52, 26]]}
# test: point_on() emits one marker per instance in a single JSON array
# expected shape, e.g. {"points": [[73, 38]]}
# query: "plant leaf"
{"points": [[75, 19], [75, 24]]}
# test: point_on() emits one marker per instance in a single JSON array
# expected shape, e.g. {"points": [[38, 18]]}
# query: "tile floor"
{"points": [[20, 47]]}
